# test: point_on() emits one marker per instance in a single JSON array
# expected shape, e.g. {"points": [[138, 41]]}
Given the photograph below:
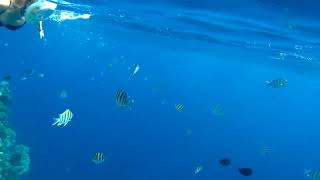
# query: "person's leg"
{"points": [[4, 4]]}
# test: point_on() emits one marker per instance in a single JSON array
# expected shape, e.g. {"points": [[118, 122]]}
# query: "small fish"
{"points": [[277, 83], [198, 169], [265, 151], [63, 119], [245, 171], [218, 110], [98, 158], [122, 99], [225, 162], [40, 75], [179, 107], [136, 70], [63, 94], [312, 173]]}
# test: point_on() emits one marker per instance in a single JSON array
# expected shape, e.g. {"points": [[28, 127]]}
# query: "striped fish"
{"points": [[122, 99], [218, 110], [179, 107], [277, 83], [98, 158], [265, 150], [313, 174], [63, 119]]}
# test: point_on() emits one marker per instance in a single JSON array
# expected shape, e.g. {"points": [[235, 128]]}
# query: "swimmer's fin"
{"points": [[40, 29]]}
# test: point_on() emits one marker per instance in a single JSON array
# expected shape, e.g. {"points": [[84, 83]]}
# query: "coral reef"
{"points": [[14, 159]]}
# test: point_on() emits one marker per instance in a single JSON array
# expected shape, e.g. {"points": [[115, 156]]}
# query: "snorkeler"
{"points": [[14, 14]]}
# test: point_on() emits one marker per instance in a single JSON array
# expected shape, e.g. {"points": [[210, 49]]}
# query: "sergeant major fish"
{"points": [[98, 158], [277, 83], [122, 99], [63, 119], [265, 150], [179, 107]]}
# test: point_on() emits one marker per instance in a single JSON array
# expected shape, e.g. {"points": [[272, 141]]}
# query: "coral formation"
{"points": [[14, 159]]}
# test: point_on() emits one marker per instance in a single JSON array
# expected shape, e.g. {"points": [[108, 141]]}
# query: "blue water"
{"points": [[198, 53]]}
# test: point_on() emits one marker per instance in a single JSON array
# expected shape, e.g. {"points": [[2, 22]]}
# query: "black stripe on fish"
{"points": [[179, 107], [122, 98]]}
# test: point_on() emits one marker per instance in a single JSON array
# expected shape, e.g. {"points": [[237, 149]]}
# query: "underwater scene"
{"points": [[162, 89]]}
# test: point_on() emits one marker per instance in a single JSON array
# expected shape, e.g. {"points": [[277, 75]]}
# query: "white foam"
{"points": [[63, 15]]}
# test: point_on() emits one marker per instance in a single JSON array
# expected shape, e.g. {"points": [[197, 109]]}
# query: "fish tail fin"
{"points": [[56, 120], [268, 83]]}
